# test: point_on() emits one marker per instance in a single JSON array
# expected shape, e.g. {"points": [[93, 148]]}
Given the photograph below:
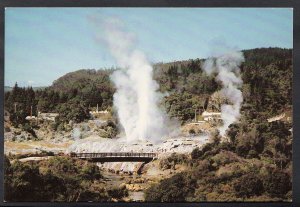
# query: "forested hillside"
{"points": [[266, 73], [256, 163]]}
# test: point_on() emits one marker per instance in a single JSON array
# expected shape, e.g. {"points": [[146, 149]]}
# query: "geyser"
{"points": [[227, 67], [137, 98]]}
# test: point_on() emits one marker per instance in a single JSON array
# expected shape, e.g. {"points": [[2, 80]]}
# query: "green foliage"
{"points": [[185, 76], [241, 170], [93, 87], [22, 182], [266, 73], [254, 165], [208, 149], [202, 166], [153, 194], [256, 140], [277, 183], [109, 129], [72, 96], [183, 105], [90, 172], [28, 128], [196, 153], [74, 110], [117, 193], [224, 158], [174, 189], [171, 161], [248, 185], [61, 179], [21, 100]]}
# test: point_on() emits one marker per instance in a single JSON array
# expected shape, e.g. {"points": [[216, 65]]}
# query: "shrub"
{"points": [[196, 153], [173, 160], [22, 182], [90, 172], [252, 154], [224, 157], [63, 180], [153, 194], [204, 166], [277, 183], [192, 132], [248, 185], [117, 193], [62, 166], [26, 127], [174, 189], [109, 129]]}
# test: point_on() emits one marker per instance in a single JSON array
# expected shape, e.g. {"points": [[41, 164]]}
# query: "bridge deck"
{"points": [[116, 156]]}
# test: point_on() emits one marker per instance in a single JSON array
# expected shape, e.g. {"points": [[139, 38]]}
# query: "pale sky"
{"points": [[42, 44]]}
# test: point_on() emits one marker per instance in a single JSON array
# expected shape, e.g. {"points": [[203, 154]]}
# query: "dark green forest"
{"points": [[256, 165], [57, 179]]}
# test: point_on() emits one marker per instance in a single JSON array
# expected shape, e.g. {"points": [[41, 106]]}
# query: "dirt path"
{"points": [[35, 147]]}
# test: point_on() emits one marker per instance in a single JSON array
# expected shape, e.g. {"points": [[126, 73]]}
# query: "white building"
{"points": [[211, 116], [98, 112], [47, 116], [30, 118]]}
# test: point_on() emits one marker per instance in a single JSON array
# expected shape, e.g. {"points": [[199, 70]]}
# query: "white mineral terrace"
{"points": [[95, 144]]}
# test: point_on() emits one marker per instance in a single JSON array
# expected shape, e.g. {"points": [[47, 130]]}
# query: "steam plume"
{"points": [[227, 67], [76, 133], [137, 97]]}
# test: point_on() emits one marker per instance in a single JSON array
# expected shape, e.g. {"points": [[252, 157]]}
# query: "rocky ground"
{"points": [[45, 138], [35, 147], [90, 132]]}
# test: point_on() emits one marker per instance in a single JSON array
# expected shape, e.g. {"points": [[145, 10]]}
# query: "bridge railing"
{"points": [[113, 154]]}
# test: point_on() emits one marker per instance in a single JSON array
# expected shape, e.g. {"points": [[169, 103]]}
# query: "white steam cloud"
{"points": [[227, 67], [137, 98], [76, 133]]}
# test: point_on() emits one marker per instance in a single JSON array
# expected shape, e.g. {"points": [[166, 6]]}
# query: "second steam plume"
{"points": [[227, 68], [137, 98]]}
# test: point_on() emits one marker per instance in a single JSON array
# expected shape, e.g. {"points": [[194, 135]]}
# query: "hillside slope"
{"points": [[267, 88], [266, 72]]}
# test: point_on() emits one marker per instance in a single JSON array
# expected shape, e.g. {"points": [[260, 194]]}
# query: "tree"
{"points": [[75, 110], [174, 189], [196, 153], [277, 183], [248, 185]]}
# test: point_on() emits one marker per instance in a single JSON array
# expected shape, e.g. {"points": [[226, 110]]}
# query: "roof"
{"points": [[206, 113]]}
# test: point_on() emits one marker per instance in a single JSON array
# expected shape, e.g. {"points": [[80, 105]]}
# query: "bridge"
{"points": [[116, 156]]}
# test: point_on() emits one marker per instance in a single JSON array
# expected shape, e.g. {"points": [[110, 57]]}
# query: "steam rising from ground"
{"points": [[227, 67], [137, 98], [76, 133]]}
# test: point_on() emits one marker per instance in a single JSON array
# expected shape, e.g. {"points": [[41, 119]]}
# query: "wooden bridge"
{"points": [[116, 156]]}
